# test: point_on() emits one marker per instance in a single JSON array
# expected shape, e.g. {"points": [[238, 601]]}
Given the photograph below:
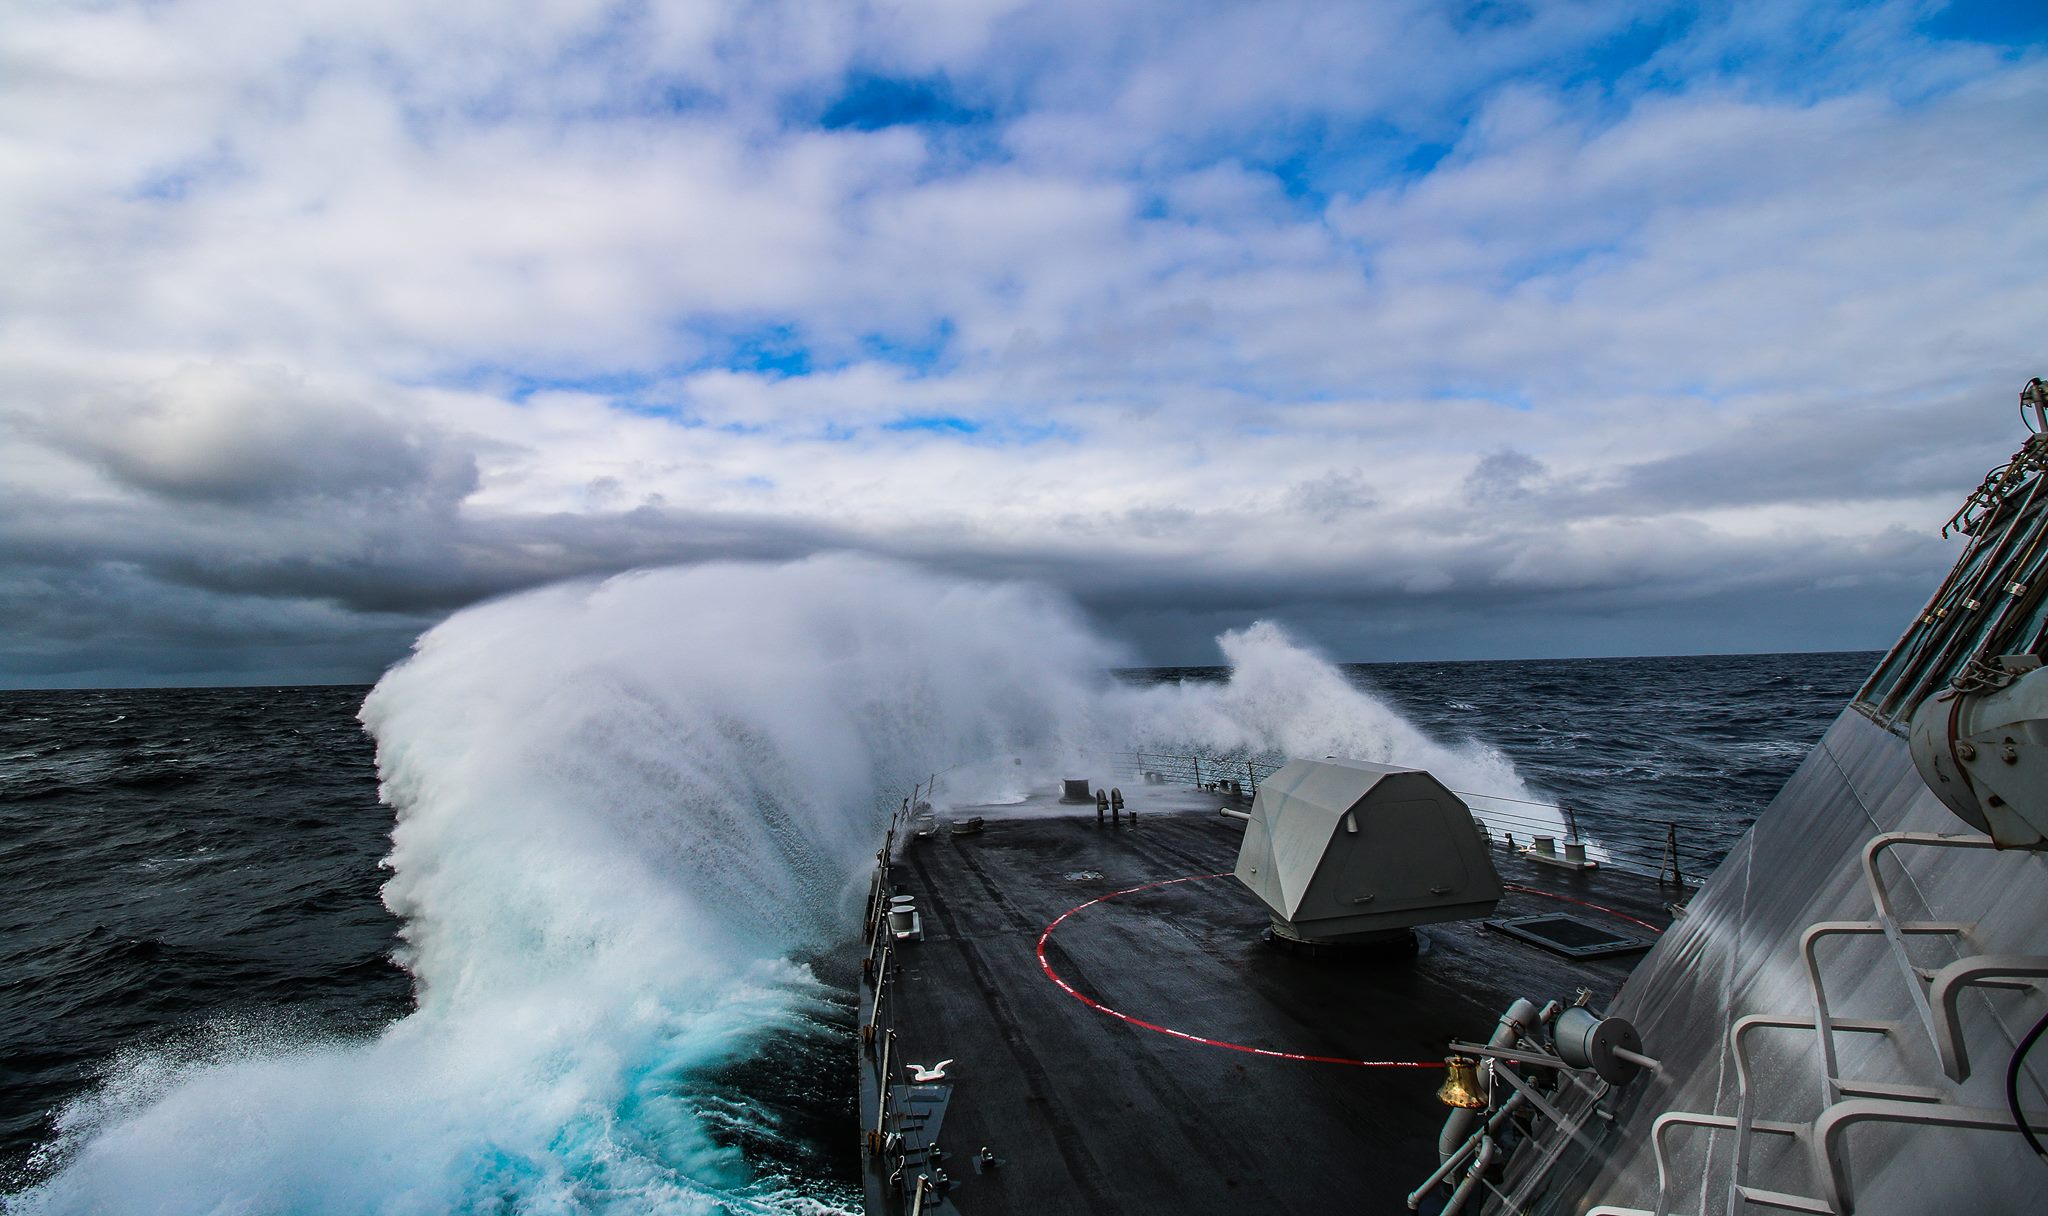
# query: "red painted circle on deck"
{"points": [[1583, 904], [1183, 1035]]}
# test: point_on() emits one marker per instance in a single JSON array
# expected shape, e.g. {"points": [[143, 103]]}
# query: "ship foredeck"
{"points": [[1121, 1039]]}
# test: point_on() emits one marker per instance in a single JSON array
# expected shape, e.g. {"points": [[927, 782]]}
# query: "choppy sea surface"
{"points": [[185, 869]]}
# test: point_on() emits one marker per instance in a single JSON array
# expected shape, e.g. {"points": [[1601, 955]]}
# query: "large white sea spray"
{"points": [[624, 811]]}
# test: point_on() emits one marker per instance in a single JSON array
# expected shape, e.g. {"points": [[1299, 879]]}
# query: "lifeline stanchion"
{"points": [[1670, 861]]}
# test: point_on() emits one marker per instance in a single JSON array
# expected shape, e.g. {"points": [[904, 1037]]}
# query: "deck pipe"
{"points": [[1494, 1123], [1480, 1164]]}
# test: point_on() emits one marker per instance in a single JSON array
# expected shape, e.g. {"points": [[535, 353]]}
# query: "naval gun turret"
{"points": [[1350, 852]]}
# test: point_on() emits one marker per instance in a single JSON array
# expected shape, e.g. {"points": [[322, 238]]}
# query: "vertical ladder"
{"points": [[1847, 1102]]}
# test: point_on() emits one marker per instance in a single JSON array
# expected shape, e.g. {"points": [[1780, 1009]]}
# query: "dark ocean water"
{"points": [[1629, 745], [179, 861], [177, 858]]}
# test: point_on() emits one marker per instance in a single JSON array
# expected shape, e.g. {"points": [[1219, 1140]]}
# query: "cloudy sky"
{"points": [[1431, 329]]}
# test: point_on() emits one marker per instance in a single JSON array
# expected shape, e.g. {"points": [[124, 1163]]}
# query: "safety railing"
{"points": [[1650, 848], [882, 1123], [877, 1036], [1189, 768]]}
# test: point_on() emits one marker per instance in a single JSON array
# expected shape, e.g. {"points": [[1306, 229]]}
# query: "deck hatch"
{"points": [[1569, 935]]}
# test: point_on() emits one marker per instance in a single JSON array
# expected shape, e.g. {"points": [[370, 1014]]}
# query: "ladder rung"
{"points": [[1784, 1202], [1887, 1089]]}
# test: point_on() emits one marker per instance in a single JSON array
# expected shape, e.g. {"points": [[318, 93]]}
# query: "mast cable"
{"points": [[2012, 1084]]}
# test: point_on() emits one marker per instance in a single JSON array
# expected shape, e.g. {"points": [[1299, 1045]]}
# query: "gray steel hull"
{"points": [[1739, 952]]}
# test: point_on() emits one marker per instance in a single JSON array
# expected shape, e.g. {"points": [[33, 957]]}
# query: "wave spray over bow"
{"points": [[625, 812]]}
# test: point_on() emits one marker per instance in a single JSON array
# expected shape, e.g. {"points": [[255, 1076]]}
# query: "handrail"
{"points": [[888, 1038], [1628, 847]]}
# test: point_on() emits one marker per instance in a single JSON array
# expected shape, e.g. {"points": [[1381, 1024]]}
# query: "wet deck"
{"points": [[1088, 1112]]}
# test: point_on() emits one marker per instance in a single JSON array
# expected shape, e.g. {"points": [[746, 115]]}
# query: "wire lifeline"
{"points": [[1583, 903], [2012, 1084]]}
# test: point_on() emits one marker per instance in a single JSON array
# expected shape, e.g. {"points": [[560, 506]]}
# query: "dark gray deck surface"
{"points": [[1088, 1113]]}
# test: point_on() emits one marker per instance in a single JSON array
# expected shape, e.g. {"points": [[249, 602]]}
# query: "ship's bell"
{"points": [[1461, 1085]]}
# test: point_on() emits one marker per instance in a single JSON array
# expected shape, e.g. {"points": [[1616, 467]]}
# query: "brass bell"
{"points": [[1461, 1085]]}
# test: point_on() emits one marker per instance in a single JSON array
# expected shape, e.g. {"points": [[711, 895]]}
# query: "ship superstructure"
{"points": [[1847, 1020]]}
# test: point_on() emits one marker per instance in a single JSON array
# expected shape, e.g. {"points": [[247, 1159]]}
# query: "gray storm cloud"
{"points": [[239, 435]]}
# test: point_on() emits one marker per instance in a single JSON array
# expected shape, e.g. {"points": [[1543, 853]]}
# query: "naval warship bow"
{"points": [[1193, 985]]}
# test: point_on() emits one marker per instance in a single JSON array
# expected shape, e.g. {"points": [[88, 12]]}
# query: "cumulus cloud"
{"points": [[1331, 496], [231, 434], [1504, 477], [1436, 328]]}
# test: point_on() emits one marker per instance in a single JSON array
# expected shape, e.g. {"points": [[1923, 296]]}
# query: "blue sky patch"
{"points": [[996, 433], [871, 103], [516, 385], [2002, 22], [922, 354], [775, 350], [1632, 47], [941, 424]]}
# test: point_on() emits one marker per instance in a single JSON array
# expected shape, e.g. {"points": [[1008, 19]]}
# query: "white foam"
{"points": [[622, 808], [1283, 698]]}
